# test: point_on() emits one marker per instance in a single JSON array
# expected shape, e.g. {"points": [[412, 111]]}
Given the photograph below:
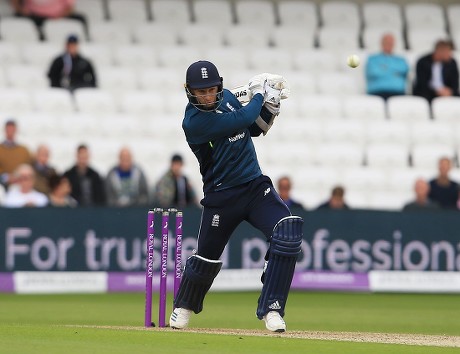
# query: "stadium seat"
{"points": [[302, 15], [14, 101], [99, 54], [129, 12], [161, 80], [3, 80], [317, 178], [453, 14], [40, 54], [111, 33], [228, 60], [255, 12], [365, 107], [335, 83], [336, 39], [320, 107], [175, 12], [314, 61], [247, 36], [446, 109], [424, 15], [387, 155], [385, 200], [339, 154], [455, 34], [402, 179], [343, 130], [57, 30], [145, 104], [300, 85], [426, 155], [423, 40], [432, 132], [340, 14], [135, 56], [215, 13], [363, 179], [179, 57], [116, 80], [94, 101], [199, 35], [269, 60], [382, 15], [156, 34], [54, 101], [388, 131], [372, 39], [93, 10], [408, 108], [9, 53], [27, 77], [18, 30], [293, 38]]}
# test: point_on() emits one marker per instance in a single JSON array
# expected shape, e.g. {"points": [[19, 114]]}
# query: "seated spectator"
{"points": [[126, 184], [284, 191], [12, 154], [437, 73], [336, 201], [60, 192], [70, 70], [22, 192], [443, 190], [87, 185], [421, 202], [39, 11], [386, 73], [174, 189], [43, 171]]}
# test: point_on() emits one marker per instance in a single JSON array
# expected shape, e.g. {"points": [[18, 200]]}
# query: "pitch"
{"points": [[317, 323]]}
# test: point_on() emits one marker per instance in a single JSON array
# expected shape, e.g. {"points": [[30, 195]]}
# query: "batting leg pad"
{"points": [[284, 250], [198, 277]]}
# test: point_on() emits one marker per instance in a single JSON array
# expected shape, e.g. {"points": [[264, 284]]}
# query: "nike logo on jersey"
{"points": [[266, 191]]}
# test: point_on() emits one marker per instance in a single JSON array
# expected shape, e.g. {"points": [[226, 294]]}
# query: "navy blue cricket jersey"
{"points": [[222, 142]]}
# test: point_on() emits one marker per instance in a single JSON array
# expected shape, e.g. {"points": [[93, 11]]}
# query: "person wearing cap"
{"points": [[173, 189], [12, 154], [219, 131], [70, 70]]}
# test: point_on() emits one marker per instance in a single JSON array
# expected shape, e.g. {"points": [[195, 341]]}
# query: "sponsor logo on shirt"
{"points": [[236, 137]]}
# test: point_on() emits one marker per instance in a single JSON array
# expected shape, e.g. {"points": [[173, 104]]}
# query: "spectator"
{"points": [[60, 192], [12, 154], [87, 185], [437, 73], [126, 184], [70, 70], [336, 201], [174, 189], [284, 190], [43, 171], [421, 202], [22, 192], [39, 11], [386, 73], [443, 190]]}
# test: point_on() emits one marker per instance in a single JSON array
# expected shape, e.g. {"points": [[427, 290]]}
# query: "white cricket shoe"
{"points": [[179, 318], [274, 322]]}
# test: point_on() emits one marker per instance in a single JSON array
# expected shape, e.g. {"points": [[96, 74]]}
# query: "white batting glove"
{"points": [[257, 84], [272, 95]]}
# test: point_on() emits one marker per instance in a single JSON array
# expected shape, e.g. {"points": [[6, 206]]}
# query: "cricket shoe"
{"points": [[274, 322], [179, 318]]}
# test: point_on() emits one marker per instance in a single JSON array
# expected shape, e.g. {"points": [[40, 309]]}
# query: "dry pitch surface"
{"points": [[361, 337]]}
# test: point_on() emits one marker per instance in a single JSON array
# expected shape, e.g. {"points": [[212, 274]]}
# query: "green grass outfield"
{"points": [[112, 323]]}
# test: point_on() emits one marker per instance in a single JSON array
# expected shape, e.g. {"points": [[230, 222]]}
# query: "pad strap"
{"points": [[196, 281], [285, 247]]}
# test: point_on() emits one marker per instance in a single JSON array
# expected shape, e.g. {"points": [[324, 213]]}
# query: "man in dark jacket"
{"points": [[87, 185], [70, 70], [437, 73]]}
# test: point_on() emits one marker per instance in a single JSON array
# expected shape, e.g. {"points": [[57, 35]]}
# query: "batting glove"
{"points": [[257, 84]]}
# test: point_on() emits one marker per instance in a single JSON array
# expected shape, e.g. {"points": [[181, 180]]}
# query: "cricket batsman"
{"points": [[219, 130]]}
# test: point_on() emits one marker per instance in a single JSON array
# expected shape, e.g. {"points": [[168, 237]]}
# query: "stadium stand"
{"points": [[329, 130]]}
